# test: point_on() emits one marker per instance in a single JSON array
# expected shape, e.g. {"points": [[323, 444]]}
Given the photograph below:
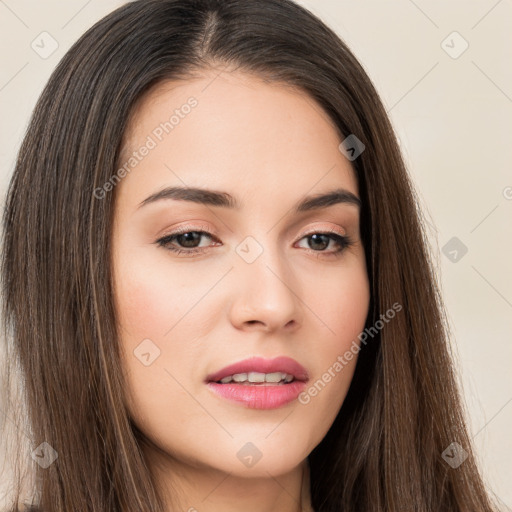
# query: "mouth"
{"points": [[258, 383]]}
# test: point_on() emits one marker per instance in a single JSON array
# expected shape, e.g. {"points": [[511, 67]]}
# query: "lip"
{"points": [[259, 396], [259, 364]]}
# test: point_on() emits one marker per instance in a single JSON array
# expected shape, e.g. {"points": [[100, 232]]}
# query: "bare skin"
{"points": [[268, 146]]}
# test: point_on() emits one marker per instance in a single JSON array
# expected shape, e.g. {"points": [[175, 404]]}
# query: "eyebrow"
{"points": [[223, 199]]}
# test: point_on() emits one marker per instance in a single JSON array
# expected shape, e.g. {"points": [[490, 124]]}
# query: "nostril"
{"points": [[252, 322]]}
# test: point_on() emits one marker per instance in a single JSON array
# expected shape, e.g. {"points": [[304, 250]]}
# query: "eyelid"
{"points": [[319, 229], [188, 228]]}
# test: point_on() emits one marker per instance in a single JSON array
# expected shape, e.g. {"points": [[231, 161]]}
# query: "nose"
{"points": [[267, 295]]}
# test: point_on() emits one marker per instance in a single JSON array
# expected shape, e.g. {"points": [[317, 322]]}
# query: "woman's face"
{"points": [[259, 279]]}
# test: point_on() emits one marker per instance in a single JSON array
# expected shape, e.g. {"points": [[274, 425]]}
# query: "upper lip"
{"points": [[259, 364]]}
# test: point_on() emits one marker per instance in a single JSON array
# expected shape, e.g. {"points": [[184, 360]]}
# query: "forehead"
{"points": [[233, 131]]}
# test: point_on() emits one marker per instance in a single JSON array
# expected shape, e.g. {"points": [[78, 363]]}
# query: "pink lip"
{"points": [[259, 396]]}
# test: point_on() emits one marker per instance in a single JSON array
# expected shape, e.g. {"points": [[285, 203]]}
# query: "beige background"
{"points": [[454, 120]]}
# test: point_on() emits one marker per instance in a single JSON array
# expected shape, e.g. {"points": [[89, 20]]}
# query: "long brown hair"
{"points": [[384, 450]]}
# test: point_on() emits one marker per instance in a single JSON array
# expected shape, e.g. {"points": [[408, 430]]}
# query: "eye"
{"points": [[187, 241], [320, 241]]}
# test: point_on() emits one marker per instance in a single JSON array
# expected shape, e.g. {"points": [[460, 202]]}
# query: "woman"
{"points": [[216, 281]]}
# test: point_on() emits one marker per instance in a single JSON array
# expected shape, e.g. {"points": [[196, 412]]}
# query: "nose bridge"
{"points": [[266, 290]]}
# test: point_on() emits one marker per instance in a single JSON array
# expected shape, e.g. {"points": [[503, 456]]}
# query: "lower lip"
{"points": [[257, 396]]}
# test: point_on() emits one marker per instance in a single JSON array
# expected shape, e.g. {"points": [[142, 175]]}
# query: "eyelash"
{"points": [[342, 240]]}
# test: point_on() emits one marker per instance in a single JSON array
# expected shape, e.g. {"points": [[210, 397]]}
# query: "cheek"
{"points": [[144, 308], [342, 309], [158, 308], [150, 299], [148, 309], [340, 300]]}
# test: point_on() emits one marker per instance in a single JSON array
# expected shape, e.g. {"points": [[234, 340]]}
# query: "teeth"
{"points": [[273, 377], [257, 377]]}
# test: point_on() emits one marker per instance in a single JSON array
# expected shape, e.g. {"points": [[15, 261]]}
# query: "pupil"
{"points": [[188, 239], [316, 238]]}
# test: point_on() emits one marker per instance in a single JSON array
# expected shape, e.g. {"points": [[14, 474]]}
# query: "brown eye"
{"points": [[184, 242], [189, 239], [319, 242]]}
